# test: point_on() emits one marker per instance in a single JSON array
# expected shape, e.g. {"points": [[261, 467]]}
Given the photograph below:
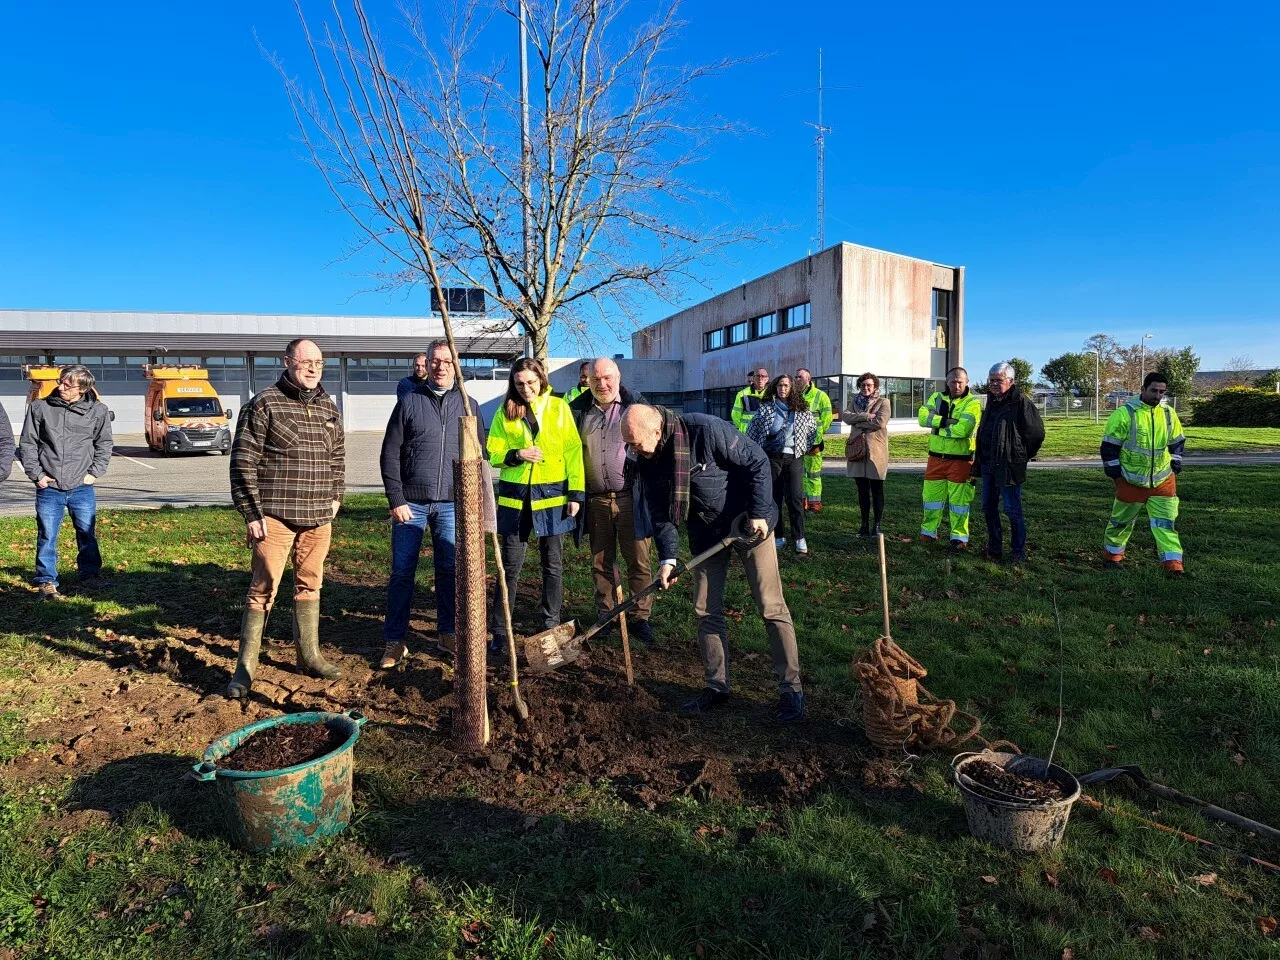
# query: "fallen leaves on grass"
{"points": [[353, 919], [1109, 875], [1266, 925], [1068, 954], [988, 878], [1050, 879], [1151, 934], [474, 932], [1206, 879]]}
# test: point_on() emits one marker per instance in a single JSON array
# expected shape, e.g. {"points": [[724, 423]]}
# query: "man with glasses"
{"points": [[1009, 436], [288, 471], [65, 447], [609, 519], [747, 402], [418, 453]]}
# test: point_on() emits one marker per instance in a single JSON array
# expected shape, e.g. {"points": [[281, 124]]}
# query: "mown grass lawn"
{"points": [[1080, 437], [1180, 677]]}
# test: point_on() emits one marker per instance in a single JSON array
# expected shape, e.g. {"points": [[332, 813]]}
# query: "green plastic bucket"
{"points": [[291, 806]]}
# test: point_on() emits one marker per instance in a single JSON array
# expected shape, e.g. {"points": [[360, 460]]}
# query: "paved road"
{"points": [[141, 479]]}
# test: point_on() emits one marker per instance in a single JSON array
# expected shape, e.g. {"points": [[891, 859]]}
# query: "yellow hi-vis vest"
{"points": [[745, 406], [955, 439], [551, 482], [820, 404], [1150, 441]]}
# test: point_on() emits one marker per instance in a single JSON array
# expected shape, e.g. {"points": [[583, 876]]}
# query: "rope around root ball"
{"points": [[899, 712]]}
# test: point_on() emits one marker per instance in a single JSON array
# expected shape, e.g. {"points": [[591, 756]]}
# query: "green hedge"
{"points": [[1239, 407]]}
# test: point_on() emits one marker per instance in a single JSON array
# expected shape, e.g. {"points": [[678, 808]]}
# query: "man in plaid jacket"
{"points": [[288, 470]]}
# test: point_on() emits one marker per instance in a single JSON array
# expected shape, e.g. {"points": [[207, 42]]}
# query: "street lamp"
{"points": [[1142, 359]]}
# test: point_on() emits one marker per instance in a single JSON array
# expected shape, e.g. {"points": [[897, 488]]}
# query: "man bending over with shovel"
{"points": [[699, 471]]}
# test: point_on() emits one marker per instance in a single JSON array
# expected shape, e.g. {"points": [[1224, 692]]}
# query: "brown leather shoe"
{"points": [[393, 653], [445, 643]]}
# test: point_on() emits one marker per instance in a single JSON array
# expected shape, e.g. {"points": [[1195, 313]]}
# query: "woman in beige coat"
{"points": [[867, 451]]}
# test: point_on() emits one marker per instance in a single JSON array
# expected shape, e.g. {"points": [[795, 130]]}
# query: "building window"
{"points": [[713, 339], [765, 326], [796, 317], [739, 333], [941, 318]]}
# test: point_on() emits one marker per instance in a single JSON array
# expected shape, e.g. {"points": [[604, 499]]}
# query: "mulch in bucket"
{"points": [[283, 746], [1002, 784]]}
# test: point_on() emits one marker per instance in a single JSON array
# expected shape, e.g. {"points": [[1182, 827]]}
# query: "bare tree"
{"points": [[428, 154], [1239, 372]]}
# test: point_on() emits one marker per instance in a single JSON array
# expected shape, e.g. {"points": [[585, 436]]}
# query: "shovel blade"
{"points": [[552, 648]]}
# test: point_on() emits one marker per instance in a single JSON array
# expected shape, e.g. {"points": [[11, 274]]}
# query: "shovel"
{"points": [[560, 645]]}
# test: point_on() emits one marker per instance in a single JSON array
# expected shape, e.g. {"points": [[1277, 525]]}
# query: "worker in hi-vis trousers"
{"points": [[952, 418], [1142, 452], [820, 406]]}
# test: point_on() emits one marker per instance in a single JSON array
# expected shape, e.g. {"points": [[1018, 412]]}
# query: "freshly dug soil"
{"points": [[1002, 784], [283, 746]]}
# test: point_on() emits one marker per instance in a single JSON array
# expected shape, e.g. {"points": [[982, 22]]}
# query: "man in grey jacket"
{"points": [[65, 447], [6, 444]]}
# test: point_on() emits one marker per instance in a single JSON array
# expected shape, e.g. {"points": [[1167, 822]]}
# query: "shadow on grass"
{"points": [[663, 884], [155, 779]]}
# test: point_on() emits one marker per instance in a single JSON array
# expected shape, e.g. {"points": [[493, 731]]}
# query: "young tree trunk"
{"points": [[470, 728]]}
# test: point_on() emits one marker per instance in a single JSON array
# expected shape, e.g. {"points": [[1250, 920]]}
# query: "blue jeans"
{"points": [[992, 495], [51, 504], [406, 545]]}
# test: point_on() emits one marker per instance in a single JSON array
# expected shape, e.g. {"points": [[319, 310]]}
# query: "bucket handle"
{"points": [[356, 717], [204, 771]]}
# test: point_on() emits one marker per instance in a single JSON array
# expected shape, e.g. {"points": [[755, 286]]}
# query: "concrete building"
{"points": [[840, 312], [243, 354]]}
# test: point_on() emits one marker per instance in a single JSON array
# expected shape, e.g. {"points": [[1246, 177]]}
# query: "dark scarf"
{"points": [[862, 402], [674, 433], [291, 388]]}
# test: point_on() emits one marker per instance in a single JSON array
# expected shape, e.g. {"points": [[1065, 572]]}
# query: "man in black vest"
{"points": [[418, 453], [608, 519]]}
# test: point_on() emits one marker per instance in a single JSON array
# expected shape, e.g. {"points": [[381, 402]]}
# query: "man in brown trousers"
{"points": [[288, 469], [608, 519]]}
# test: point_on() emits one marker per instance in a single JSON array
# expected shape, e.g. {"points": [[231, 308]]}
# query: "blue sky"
{"points": [[1096, 168]]}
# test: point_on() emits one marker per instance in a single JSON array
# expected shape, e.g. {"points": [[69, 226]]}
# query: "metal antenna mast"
{"points": [[821, 142]]}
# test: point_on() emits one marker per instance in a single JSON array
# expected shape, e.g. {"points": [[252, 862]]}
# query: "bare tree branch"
{"points": [[424, 155]]}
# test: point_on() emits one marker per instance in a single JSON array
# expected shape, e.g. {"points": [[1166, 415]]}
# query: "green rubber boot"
{"points": [[251, 626], [306, 634]]}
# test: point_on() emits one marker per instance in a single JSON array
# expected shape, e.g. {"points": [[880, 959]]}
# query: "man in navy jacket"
{"points": [[418, 453], [699, 471]]}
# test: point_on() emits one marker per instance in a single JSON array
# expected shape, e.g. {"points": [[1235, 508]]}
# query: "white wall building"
{"points": [[243, 354]]}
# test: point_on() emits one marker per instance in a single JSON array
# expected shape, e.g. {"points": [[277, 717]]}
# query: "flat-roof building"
{"points": [[838, 313], [243, 354]]}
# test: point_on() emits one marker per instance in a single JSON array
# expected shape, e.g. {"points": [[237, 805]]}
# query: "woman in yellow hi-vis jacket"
{"points": [[534, 442]]}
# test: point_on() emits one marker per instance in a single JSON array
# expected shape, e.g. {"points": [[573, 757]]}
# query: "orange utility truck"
{"points": [[184, 413]]}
